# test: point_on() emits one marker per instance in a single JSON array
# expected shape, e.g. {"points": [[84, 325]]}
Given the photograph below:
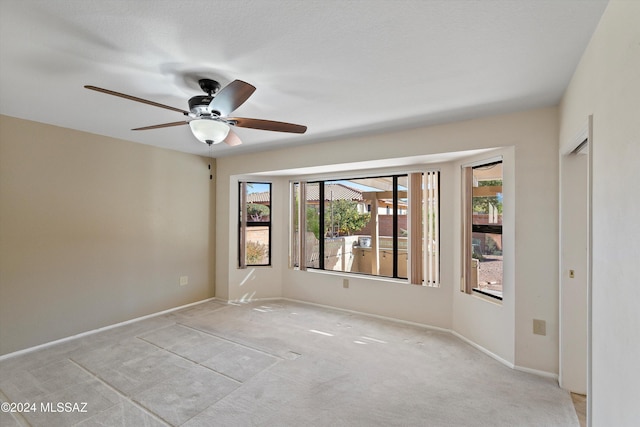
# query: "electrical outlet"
{"points": [[539, 327], [184, 280], [345, 283]]}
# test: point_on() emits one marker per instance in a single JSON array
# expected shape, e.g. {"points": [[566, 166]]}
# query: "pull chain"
{"points": [[210, 157]]}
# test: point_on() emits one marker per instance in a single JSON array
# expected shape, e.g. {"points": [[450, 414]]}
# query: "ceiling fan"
{"points": [[208, 114]]}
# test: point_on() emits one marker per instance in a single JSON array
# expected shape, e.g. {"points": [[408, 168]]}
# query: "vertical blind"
{"points": [[431, 224]]}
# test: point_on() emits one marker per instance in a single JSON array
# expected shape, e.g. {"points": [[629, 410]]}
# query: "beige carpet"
{"points": [[275, 363]]}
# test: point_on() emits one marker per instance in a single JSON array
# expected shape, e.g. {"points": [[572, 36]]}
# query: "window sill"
{"points": [[362, 276], [488, 294]]}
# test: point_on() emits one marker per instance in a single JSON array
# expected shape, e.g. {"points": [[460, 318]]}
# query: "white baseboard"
{"points": [[484, 350], [504, 361], [95, 331], [537, 372], [246, 300]]}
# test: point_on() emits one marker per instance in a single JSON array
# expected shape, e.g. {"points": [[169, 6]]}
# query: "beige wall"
{"points": [[531, 259], [95, 231], [606, 84]]}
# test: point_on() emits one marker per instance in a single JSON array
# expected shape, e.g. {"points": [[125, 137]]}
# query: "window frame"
{"points": [[298, 206], [322, 216], [244, 224], [468, 228]]}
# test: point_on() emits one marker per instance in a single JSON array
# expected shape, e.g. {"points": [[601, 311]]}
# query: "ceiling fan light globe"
{"points": [[206, 130]]}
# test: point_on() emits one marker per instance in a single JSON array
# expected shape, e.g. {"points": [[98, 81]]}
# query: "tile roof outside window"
{"points": [[262, 197], [334, 191]]}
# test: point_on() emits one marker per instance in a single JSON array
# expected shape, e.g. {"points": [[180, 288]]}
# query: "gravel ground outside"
{"points": [[490, 274]]}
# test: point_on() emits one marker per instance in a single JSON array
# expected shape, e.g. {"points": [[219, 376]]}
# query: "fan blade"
{"points": [[232, 139], [135, 98], [231, 97], [267, 125], [164, 125]]}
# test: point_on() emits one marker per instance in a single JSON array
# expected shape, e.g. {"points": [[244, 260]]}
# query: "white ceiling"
{"points": [[341, 67]]}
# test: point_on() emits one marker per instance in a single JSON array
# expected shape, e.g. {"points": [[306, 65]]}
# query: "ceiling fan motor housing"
{"points": [[199, 105]]}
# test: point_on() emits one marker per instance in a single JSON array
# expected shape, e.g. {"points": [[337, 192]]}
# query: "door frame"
{"points": [[581, 142]]}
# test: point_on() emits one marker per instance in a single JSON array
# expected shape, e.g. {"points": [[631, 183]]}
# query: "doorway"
{"points": [[574, 268]]}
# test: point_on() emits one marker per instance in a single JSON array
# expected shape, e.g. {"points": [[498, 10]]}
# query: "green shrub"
{"points": [[256, 211]]}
